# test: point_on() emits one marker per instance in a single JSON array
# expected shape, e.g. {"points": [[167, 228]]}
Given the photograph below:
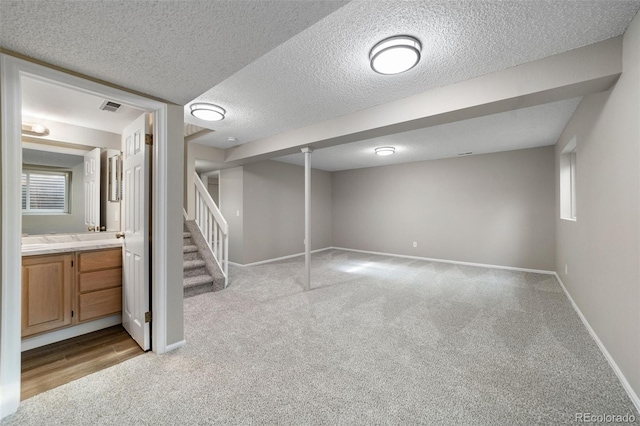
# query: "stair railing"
{"points": [[213, 226]]}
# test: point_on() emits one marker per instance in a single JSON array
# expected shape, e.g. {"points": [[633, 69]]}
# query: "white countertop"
{"points": [[65, 243]]}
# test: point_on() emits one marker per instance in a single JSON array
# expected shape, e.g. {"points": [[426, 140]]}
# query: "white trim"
{"points": [[455, 262], [159, 206], [12, 69], [10, 312], [623, 380], [184, 214], [175, 346], [68, 333], [275, 259]]}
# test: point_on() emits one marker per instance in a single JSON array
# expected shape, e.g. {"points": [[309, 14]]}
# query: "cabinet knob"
{"points": [[120, 235]]}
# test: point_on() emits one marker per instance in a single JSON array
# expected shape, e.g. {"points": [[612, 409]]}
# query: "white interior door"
{"points": [[135, 224], [92, 189]]}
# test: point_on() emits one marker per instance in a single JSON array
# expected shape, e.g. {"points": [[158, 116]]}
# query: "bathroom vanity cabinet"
{"points": [[62, 290], [47, 286]]}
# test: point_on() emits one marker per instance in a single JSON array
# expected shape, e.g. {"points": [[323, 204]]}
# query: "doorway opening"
{"points": [[72, 205], [164, 211]]}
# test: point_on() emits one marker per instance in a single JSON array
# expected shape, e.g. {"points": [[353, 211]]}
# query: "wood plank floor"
{"points": [[53, 365]]}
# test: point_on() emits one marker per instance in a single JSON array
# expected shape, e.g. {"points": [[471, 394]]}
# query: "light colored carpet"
{"points": [[383, 340]]}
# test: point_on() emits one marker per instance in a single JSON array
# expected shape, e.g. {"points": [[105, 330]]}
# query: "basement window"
{"points": [[45, 191], [568, 173]]}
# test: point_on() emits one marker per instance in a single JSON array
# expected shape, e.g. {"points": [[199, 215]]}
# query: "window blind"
{"points": [[44, 191]]}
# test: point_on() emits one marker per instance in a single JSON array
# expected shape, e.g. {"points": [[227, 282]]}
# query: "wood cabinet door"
{"points": [[46, 293]]}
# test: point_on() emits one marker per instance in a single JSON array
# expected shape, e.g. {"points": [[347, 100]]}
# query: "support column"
{"points": [[307, 217]]}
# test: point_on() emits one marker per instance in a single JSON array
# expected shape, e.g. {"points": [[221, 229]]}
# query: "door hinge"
{"points": [[147, 317], [148, 139], [72, 314], [72, 263]]}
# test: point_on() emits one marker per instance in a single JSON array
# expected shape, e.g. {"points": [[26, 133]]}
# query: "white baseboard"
{"points": [[68, 333], [455, 262], [277, 258], [625, 384], [174, 346]]}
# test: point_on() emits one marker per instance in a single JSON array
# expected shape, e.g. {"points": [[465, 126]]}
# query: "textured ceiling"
{"points": [[518, 129], [324, 72], [57, 103], [171, 49], [281, 65]]}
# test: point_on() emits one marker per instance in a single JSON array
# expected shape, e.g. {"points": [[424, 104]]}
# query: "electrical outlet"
{"points": [[566, 269], [238, 213], [415, 244]]}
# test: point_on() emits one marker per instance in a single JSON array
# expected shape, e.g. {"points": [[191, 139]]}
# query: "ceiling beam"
{"points": [[583, 71]]}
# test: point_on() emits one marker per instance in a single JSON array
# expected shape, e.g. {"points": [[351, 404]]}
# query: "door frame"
{"points": [[205, 180], [11, 70]]}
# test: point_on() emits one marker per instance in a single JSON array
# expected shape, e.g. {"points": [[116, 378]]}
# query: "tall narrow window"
{"points": [[45, 191], [568, 181]]}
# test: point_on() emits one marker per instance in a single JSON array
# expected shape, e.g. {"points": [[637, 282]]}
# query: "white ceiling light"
{"points": [[207, 112], [395, 55], [385, 150]]}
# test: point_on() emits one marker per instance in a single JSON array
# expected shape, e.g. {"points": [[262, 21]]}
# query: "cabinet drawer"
{"points": [[102, 259], [99, 304], [99, 280]]}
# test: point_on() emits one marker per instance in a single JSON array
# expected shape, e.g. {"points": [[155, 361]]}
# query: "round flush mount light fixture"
{"points": [[385, 150], [395, 55], [207, 112]]}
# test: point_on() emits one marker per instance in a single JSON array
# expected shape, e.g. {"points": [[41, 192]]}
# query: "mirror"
{"points": [[115, 178]]}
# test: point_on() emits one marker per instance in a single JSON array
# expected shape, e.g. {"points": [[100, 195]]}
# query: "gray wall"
{"points": [[495, 209], [174, 220], [232, 208], [61, 223], [274, 210], [602, 248]]}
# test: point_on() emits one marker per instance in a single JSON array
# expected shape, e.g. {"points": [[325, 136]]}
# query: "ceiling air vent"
{"points": [[110, 106], [465, 153]]}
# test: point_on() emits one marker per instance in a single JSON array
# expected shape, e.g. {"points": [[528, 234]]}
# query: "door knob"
{"points": [[120, 235]]}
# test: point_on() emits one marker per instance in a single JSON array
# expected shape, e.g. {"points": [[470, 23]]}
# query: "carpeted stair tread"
{"points": [[189, 249], [186, 235], [197, 280], [193, 264]]}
